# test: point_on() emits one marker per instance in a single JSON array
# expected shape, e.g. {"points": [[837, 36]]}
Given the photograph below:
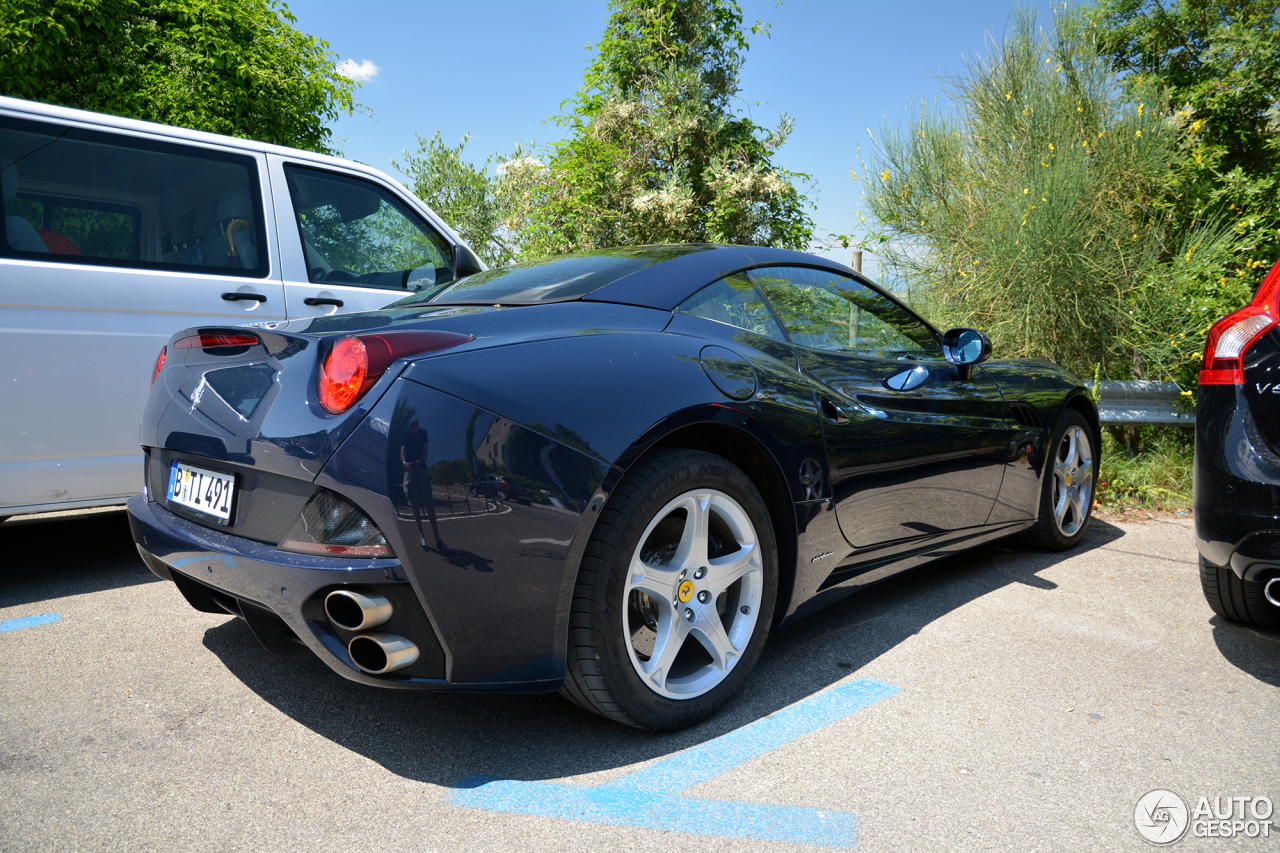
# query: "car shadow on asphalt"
{"points": [[74, 555], [1252, 650], [445, 738]]}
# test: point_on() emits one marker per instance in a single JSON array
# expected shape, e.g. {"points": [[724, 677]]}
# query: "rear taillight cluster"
{"points": [[1231, 336], [164, 352], [331, 526], [355, 362], [204, 340]]}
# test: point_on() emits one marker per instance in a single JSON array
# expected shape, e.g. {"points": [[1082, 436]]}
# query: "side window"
{"points": [[828, 311], [355, 232], [734, 300], [91, 197]]}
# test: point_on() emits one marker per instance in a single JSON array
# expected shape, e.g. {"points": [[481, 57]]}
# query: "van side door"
{"points": [[112, 240], [351, 243]]}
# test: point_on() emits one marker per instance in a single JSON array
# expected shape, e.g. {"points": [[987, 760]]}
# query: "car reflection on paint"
{"points": [[609, 474], [500, 488]]}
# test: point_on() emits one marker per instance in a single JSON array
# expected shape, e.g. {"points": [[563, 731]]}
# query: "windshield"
{"points": [[551, 280]]}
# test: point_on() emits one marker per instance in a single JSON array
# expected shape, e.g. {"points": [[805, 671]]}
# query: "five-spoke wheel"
{"points": [[1066, 493], [1072, 480], [675, 593], [692, 593]]}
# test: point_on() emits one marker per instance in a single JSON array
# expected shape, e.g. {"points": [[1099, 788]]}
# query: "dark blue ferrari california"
{"points": [[705, 442]]}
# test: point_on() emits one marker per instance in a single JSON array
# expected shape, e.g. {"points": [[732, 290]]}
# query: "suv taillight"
{"points": [[355, 362], [1231, 336]]}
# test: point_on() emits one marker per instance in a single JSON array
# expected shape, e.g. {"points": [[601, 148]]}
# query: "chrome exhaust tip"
{"points": [[379, 653], [354, 610], [1272, 591]]}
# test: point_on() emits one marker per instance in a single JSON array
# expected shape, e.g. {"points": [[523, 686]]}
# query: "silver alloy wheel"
{"points": [[1072, 480], [692, 595]]}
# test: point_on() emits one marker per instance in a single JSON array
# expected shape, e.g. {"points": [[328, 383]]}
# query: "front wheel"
{"points": [[1066, 495], [675, 594]]}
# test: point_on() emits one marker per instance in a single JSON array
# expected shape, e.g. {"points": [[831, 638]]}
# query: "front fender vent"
{"points": [[1026, 415]]}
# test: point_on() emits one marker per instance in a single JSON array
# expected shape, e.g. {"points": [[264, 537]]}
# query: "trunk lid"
{"points": [[258, 404]]}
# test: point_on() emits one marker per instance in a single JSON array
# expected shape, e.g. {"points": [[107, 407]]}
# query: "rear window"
{"points": [[72, 195], [552, 280]]}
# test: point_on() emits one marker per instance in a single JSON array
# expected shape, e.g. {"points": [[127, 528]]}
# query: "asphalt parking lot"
{"points": [[1001, 700]]}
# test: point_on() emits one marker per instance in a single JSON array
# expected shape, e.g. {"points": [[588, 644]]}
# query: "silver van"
{"points": [[118, 233]]}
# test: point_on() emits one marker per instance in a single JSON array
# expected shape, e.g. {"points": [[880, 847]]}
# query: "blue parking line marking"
{"points": [[649, 798], [29, 622]]}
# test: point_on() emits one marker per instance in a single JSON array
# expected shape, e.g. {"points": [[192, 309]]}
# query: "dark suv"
{"points": [[1237, 476]]}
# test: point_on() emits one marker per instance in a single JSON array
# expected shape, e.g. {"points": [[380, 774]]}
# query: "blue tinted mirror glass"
{"points": [[969, 347]]}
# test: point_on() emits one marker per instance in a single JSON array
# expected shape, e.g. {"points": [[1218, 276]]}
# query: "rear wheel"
{"points": [[675, 594], [1066, 495], [1236, 599]]}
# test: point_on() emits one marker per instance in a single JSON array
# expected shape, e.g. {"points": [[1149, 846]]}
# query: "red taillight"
{"points": [[356, 362], [343, 375], [217, 339], [164, 351], [1231, 336]]}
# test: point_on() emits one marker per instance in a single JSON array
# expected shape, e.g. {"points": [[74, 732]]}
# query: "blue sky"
{"points": [[499, 69]]}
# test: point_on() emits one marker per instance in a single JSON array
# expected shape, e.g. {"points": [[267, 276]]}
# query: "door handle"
{"points": [[236, 297], [322, 300], [834, 413]]}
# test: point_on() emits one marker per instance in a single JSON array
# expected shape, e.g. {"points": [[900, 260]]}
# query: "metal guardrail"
{"points": [[1141, 402]]}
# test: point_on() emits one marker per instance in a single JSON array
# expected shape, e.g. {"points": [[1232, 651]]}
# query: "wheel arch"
{"points": [[1081, 402], [762, 468], [703, 428]]}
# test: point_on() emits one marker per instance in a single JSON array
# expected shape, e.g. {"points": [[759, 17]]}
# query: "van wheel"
{"points": [[675, 595], [1236, 599]]}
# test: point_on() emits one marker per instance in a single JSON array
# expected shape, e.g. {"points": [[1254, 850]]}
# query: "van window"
{"points": [[354, 232], [89, 197]]}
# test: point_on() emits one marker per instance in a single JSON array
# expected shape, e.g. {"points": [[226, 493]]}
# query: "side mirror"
{"points": [[964, 348], [465, 262]]}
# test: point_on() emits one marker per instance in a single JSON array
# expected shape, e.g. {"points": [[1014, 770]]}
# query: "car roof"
{"points": [[102, 121], [666, 284]]}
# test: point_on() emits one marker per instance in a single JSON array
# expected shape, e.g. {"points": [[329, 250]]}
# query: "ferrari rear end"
{"points": [[296, 479]]}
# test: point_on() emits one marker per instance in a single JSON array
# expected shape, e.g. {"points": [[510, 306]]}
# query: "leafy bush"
{"points": [[1041, 211]]}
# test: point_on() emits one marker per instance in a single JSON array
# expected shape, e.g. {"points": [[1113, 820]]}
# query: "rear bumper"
{"points": [[281, 596], [1237, 487]]}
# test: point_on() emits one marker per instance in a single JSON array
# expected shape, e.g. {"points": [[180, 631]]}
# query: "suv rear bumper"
{"points": [[1237, 486]]}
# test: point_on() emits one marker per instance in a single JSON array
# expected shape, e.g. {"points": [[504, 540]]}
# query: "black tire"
{"points": [[602, 674], [1236, 599], [1048, 533]]}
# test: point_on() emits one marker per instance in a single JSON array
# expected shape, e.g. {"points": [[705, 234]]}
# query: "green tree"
{"points": [[655, 152], [1041, 210], [237, 68], [486, 205], [1217, 65]]}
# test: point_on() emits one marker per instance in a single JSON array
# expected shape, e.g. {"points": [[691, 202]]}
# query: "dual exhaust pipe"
{"points": [[1272, 591], [375, 652]]}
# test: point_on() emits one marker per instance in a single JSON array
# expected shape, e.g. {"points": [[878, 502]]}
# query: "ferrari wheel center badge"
{"points": [[686, 592]]}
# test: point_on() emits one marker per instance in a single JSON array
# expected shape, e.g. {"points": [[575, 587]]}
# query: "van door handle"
{"points": [[236, 297], [322, 300]]}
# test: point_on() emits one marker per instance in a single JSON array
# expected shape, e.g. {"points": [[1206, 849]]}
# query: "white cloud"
{"points": [[358, 71]]}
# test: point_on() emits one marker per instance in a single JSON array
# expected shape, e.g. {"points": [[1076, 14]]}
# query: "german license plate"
{"points": [[202, 490]]}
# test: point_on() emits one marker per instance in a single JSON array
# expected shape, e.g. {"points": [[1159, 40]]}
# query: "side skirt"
{"points": [[861, 570]]}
